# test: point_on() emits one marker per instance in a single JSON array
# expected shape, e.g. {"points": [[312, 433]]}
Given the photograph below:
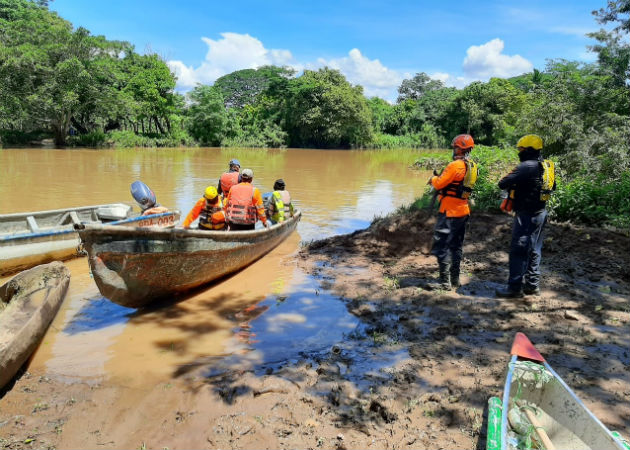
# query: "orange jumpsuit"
{"points": [[452, 206], [196, 211]]}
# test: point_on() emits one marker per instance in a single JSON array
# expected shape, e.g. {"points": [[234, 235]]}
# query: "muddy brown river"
{"points": [[268, 312]]}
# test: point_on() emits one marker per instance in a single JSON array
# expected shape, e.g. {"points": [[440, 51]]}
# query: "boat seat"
{"points": [[30, 220], [70, 217]]}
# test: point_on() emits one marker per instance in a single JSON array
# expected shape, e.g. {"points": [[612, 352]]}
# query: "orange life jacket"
{"points": [[241, 209], [227, 180], [212, 216]]}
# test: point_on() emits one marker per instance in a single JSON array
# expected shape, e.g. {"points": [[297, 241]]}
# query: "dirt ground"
{"points": [[416, 372]]}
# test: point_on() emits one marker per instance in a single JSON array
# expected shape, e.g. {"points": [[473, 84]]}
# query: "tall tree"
{"points": [[243, 87], [416, 87], [207, 114], [324, 110], [614, 47]]}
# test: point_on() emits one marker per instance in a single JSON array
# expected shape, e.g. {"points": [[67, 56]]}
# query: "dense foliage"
{"points": [[61, 82], [64, 81]]}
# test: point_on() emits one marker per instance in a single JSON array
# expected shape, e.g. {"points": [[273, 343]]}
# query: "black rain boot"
{"points": [[508, 293], [444, 282], [455, 275]]}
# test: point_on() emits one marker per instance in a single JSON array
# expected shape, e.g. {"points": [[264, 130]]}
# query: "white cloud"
{"points": [[232, 52], [487, 60], [452, 81], [376, 79]]}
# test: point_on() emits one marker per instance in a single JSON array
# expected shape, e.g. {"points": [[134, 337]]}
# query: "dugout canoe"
{"points": [[31, 238], [134, 267], [28, 303], [539, 410]]}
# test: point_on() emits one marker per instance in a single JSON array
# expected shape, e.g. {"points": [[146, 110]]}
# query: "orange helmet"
{"points": [[463, 142]]}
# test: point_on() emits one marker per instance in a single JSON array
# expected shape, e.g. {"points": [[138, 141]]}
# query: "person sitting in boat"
{"points": [[230, 178], [209, 209], [244, 205], [145, 198], [278, 205]]}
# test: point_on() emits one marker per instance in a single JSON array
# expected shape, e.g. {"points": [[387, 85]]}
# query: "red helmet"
{"points": [[463, 142]]}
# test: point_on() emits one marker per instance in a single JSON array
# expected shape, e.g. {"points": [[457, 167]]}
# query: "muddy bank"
{"points": [[414, 369]]}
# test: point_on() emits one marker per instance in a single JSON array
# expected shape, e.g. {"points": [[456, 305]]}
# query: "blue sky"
{"points": [[374, 43]]}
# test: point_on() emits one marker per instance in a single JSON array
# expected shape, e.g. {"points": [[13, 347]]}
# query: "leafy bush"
{"points": [[14, 137], [128, 139], [426, 138], [593, 200], [92, 139]]}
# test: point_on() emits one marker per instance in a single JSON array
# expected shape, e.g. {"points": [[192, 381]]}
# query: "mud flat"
{"points": [[414, 371]]}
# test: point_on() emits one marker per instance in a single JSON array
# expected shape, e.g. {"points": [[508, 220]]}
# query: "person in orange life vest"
{"points": [[244, 204], [209, 209], [450, 228], [229, 178]]}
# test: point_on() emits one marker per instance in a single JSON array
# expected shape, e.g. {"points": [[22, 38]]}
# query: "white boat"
{"points": [[539, 410], [31, 238]]}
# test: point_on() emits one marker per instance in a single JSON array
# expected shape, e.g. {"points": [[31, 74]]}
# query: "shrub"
{"points": [[92, 139]]}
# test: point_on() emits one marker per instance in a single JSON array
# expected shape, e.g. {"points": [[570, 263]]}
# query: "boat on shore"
{"points": [[28, 304], [539, 410], [134, 267], [31, 238]]}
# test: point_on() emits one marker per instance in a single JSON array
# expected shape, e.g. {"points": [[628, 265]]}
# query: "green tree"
{"points": [[488, 111], [53, 76], [582, 116], [382, 115], [208, 117], [243, 87], [416, 87], [614, 48], [324, 110]]}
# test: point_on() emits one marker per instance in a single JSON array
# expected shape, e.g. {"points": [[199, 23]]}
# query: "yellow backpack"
{"points": [[548, 179], [472, 172]]}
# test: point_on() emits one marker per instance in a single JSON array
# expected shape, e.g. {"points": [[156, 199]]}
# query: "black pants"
{"points": [[525, 250], [239, 227], [448, 239]]}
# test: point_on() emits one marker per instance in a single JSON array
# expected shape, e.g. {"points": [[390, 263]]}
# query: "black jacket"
{"points": [[526, 180]]}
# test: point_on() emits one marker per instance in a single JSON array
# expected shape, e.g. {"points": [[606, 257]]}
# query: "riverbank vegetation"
{"points": [[62, 82]]}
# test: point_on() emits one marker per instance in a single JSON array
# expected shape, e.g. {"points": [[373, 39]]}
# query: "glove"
{"points": [[429, 181], [267, 225], [435, 172]]}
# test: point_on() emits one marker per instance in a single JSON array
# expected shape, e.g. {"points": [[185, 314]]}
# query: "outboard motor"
{"points": [[142, 194]]}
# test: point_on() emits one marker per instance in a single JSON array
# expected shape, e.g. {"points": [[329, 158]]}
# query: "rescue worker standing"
{"points": [[209, 209], [280, 207], [454, 187], [244, 205], [230, 178], [530, 185]]}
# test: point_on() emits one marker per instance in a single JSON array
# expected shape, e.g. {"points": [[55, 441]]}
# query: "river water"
{"points": [[270, 311]]}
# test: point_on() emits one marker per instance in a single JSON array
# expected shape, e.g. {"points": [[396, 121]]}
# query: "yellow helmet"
{"points": [[530, 140], [210, 193]]}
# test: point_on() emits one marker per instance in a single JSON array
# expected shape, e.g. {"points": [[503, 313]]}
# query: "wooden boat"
{"points": [[28, 303], [31, 238], [539, 410], [135, 266]]}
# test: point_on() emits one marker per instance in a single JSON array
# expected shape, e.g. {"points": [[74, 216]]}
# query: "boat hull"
{"points": [[28, 303], [135, 267]]}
